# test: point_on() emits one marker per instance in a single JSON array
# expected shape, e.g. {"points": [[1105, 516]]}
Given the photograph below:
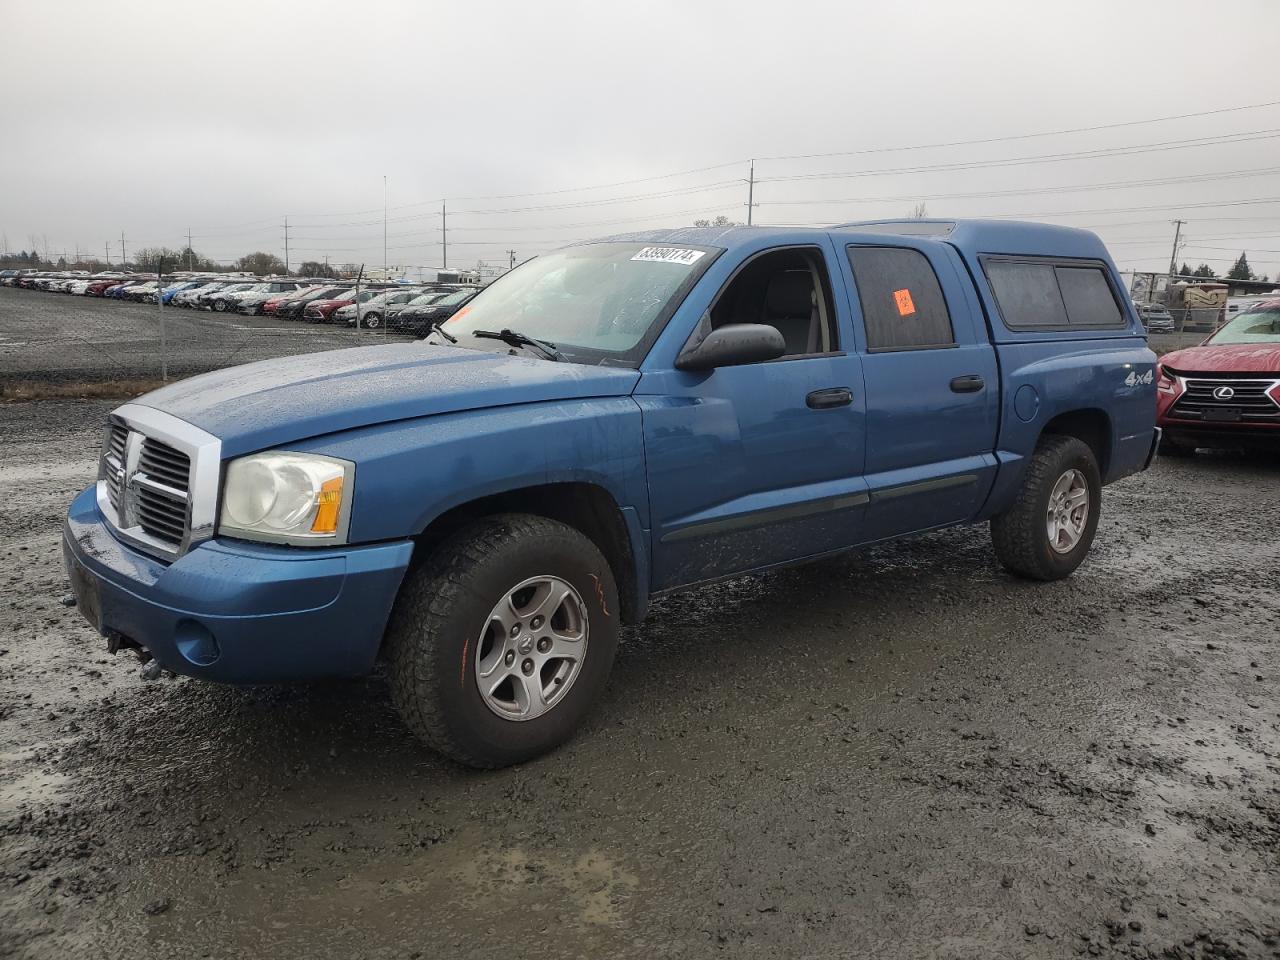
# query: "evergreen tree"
{"points": [[1184, 270], [1240, 269]]}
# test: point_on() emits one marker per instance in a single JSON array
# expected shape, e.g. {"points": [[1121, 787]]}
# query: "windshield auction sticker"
{"points": [[669, 255]]}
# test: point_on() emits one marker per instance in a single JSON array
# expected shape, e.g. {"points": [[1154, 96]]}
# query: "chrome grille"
{"points": [[162, 463], [160, 515], [113, 459], [162, 481], [157, 481], [1222, 395]]}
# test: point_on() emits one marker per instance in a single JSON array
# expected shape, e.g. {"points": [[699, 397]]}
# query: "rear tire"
{"points": [[446, 628], [1049, 529]]}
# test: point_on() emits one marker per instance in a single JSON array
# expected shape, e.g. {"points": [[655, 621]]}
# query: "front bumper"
{"points": [[1222, 436], [232, 611]]}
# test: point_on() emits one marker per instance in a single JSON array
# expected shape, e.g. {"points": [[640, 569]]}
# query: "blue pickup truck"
{"points": [[603, 425]]}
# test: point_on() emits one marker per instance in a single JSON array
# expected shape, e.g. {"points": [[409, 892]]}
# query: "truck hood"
{"points": [[273, 402], [1228, 358]]}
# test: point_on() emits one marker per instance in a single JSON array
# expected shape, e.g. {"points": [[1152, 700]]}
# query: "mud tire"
{"points": [[438, 618]]}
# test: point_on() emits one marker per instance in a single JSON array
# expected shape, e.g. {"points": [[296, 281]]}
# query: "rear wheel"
{"points": [[1049, 529], [503, 639], [220, 306], [371, 320]]}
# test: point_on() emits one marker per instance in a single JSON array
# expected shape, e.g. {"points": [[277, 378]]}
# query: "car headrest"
{"points": [[790, 294]]}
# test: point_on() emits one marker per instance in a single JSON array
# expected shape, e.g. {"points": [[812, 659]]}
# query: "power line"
{"points": [[1024, 136], [1099, 154], [1029, 191], [844, 153]]}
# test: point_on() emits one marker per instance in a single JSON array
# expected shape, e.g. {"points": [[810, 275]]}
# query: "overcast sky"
{"points": [[530, 117]]}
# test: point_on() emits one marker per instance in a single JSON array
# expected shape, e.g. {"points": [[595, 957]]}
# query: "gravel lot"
{"points": [[54, 338], [901, 754]]}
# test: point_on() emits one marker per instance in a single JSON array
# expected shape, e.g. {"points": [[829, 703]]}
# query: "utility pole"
{"points": [[359, 277], [124, 258], [190, 253], [751, 189], [385, 276], [106, 248], [164, 353], [511, 255], [444, 234], [1173, 260], [286, 244]]}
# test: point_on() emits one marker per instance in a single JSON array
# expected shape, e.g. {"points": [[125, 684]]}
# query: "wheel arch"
{"points": [[1090, 425], [587, 507]]}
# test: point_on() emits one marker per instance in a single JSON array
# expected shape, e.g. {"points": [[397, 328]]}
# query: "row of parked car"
{"points": [[411, 309]]}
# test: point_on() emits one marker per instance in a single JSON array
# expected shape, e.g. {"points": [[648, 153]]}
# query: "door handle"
{"points": [[831, 397], [969, 384]]}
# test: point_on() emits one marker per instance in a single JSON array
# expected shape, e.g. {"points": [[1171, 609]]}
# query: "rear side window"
{"points": [[902, 302], [1088, 296], [1039, 295]]}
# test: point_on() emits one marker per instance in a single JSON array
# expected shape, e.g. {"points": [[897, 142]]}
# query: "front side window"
{"points": [[595, 301], [902, 302], [788, 290]]}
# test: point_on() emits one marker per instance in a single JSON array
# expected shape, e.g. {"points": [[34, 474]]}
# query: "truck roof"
{"points": [[971, 237]]}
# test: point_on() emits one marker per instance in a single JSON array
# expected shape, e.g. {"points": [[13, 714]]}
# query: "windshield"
{"points": [[422, 298], [1256, 326], [601, 298]]}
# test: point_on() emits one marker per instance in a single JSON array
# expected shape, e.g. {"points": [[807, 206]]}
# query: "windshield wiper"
{"points": [[517, 339], [437, 326]]}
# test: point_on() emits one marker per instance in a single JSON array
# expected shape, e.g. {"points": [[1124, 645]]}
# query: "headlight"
{"points": [[301, 498]]}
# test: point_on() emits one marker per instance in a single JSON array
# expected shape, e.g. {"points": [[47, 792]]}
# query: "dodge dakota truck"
{"points": [[606, 424]]}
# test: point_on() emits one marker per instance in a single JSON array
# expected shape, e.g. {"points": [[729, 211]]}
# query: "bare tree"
{"points": [[260, 264]]}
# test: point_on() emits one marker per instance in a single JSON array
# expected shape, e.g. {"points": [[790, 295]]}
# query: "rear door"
{"points": [[931, 380]]}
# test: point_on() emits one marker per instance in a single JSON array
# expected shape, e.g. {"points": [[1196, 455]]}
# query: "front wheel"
{"points": [[503, 639], [220, 306], [372, 320], [1049, 529]]}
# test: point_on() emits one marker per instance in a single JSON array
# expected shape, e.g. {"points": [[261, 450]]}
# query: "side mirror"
{"points": [[732, 345]]}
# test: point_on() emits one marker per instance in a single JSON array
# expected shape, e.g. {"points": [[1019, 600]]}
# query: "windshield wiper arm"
{"points": [[437, 326], [517, 339]]}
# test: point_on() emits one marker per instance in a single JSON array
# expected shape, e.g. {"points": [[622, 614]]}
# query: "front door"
{"points": [[759, 464]]}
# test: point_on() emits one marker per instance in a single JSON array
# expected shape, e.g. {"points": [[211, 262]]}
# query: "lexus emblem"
{"points": [[1223, 393]]}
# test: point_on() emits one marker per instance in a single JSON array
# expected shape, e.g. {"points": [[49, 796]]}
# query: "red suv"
{"points": [[1225, 392]]}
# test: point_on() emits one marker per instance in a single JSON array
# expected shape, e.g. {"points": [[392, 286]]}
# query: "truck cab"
{"points": [[605, 424]]}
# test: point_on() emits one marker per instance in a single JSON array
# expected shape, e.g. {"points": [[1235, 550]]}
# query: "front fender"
{"points": [[412, 471]]}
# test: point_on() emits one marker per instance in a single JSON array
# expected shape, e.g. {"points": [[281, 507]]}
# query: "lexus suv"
{"points": [[1225, 392]]}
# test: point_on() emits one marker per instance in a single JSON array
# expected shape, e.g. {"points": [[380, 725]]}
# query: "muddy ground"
{"points": [[901, 754]]}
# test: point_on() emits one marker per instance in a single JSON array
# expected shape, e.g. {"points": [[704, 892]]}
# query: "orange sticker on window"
{"points": [[903, 299]]}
